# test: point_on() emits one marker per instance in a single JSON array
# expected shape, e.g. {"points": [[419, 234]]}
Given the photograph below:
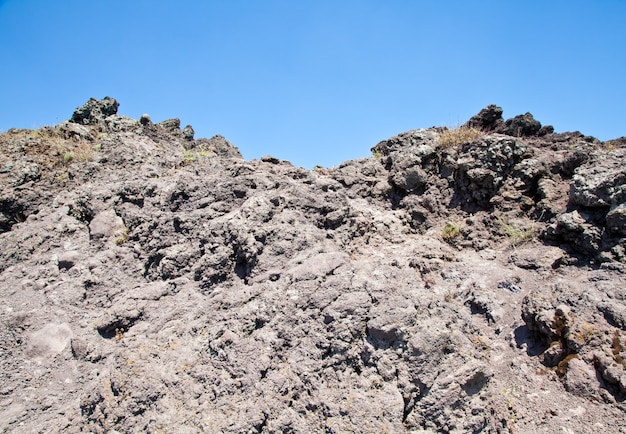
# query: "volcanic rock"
{"points": [[154, 282], [94, 111]]}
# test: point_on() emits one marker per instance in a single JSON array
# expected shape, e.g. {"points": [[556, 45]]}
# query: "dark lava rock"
{"points": [[95, 111], [521, 126], [488, 119]]}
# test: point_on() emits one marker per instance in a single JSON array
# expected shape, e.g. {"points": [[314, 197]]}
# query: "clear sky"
{"points": [[316, 82]]}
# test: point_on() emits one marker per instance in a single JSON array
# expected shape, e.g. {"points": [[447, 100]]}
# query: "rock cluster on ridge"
{"points": [[153, 282]]}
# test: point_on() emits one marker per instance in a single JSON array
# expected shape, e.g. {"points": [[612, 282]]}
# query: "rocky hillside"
{"points": [[467, 280]]}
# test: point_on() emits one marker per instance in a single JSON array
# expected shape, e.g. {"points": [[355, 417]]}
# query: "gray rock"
{"points": [[219, 146], [390, 322], [601, 181], [543, 257], [120, 124], [73, 129], [614, 312], [580, 379], [188, 133], [24, 172], [320, 265], [616, 220], [554, 354], [408, 141], [145, 119], [171, 124], [490, 119], [572, 228], [484, 166], [50, 340], [106, 224], [572, 222]]}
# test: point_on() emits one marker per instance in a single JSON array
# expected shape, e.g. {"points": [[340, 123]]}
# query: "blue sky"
{"points": [[316, 82]]}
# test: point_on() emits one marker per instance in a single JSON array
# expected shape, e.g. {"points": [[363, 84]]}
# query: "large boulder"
{"points": [[520, 126], [484, 165], [488, 119], [601, 181], [616, 220], [94, 112], [218, 145]]}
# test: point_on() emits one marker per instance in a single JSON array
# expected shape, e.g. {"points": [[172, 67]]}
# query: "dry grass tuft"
{"points": [[71, 151], [122, 237], [518, 234], [459, 136]]}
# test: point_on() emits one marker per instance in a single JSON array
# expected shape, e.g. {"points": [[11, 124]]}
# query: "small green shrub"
{"points": [[451, 231], [189, 157], [377, 154]]}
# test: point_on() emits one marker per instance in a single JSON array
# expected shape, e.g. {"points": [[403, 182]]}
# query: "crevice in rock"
{"points": [[178, 228], [13, 211], [116, 329], [524, 338], [261, 426], [152, 263]]}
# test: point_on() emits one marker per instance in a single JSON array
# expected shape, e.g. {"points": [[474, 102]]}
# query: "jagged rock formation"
{"points": [[156, 283]]}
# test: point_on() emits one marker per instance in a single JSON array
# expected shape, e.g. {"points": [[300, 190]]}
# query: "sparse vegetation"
{"points": [[49, 150], [585, 333], [610, 145], [482, 344], [458, 136], [449, 296], [616, 347], [451, 231], [71, 151], [561, 368], [122, 237], [511, 395], [518, 234], [377, 154], [189, 157]]}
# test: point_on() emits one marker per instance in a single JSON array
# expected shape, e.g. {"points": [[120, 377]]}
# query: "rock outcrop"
{"points": [[153, 282]]}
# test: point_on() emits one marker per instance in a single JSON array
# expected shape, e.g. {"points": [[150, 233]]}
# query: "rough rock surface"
{"points": [[156, 283]]}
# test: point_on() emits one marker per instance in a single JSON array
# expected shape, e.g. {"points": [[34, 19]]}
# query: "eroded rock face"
{"points": [[153, 282]]}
